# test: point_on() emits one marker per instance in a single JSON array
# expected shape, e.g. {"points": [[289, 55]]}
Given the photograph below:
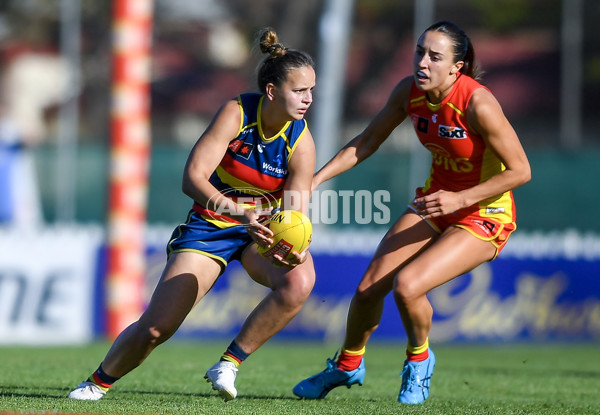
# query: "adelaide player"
{"points": [[460, 218], [256, 152]]}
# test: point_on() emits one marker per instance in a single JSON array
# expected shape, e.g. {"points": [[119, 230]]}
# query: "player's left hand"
{"points": [[438, 204]]}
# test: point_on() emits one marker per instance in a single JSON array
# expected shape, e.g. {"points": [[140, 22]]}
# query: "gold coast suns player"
{"points": [[460, 218]]}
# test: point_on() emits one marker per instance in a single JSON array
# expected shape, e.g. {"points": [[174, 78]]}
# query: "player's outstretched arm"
{"points": [[366, 143]]}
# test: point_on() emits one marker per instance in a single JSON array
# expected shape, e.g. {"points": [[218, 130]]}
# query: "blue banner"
{"points": [[509, 299]]}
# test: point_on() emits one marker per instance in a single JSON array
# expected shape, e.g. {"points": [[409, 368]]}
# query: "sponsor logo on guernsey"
{"points": [[449, 131], [235, 145], [245, 150], [443, 158], [493, 210], [422, 124], [272, 169], [242, 149]]}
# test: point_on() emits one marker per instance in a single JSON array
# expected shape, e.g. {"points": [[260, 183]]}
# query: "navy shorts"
{"points": [[198, 235]]}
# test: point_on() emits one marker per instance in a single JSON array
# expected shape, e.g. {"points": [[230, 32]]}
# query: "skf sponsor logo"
{"points": [[448, 131]]}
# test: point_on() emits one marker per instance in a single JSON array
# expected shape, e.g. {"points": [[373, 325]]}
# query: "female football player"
{"points": [[460, 218], [256, 152]]}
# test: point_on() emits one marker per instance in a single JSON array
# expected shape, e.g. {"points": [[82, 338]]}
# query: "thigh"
{"points": [[187, 277], [408, 237], [268, 274], [454, 253], [202, 237]]}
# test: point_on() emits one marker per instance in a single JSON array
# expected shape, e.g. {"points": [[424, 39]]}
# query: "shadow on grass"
{"points": [[213, 394], [8, 391]]}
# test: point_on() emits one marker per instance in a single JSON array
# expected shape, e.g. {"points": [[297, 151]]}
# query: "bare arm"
{"points": [[300, 172], [485, 116], [296, 192], [367, 142], [204, 159]]}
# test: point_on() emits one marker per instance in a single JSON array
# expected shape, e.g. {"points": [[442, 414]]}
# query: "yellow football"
{"points": [[292, 231]]}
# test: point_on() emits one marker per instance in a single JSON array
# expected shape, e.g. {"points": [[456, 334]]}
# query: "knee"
{"points": [[406, 289], [297, 288], [155, 333], [367, 294]]}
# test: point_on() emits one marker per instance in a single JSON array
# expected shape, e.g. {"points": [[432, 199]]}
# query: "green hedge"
{"points": [[563, 193]]}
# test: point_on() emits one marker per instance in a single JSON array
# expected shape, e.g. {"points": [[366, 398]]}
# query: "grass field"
{"points": [[483, 379]]}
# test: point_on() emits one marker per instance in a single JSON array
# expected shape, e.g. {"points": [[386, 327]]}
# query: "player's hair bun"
{"points": [[269, 43]]}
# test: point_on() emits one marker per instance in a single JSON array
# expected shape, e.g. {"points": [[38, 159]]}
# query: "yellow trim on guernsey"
{"points": [[260, 129], [455, 108]]}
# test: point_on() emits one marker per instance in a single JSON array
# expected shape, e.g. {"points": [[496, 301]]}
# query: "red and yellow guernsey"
{"points": [[254, 169], [460, 157]]}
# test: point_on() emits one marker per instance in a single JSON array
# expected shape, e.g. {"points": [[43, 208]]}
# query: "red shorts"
{"points": [[486, 229]]}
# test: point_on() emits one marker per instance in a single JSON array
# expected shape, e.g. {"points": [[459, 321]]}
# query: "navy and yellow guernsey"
{"points": [[254, 169]]}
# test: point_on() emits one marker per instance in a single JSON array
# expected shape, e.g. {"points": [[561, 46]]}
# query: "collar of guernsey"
{"points": [[254, 168]]}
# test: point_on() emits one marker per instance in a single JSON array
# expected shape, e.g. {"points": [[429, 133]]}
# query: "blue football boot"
{"points": [[319, 385], [416, 380]]}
